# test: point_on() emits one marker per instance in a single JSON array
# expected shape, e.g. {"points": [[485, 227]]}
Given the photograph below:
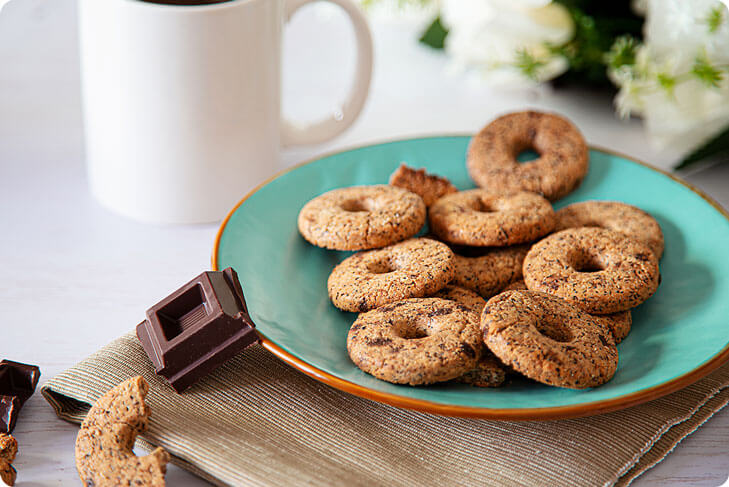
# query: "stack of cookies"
{"points": [[559, 285]]}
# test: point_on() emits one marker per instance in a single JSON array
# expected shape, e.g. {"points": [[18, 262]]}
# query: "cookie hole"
{"points": [[591, 267], [527, 155], [589, 264], [357, 205], [558, 332], [381, 267], [482, 206], [470, 252], [413, 334], [410, 331]]}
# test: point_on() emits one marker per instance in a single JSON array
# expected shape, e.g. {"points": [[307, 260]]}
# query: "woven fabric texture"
{"points": [[258, 422]]}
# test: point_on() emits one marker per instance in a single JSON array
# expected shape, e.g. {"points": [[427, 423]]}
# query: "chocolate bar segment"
{"points": [[17, 384], [197, 328], [9, 410]]}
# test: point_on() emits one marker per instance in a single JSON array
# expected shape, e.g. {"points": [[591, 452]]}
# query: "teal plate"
{"points": [[678, 336]]}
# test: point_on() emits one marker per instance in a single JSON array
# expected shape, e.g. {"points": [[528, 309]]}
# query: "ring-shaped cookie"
{"points": [[487, 270], [483, 218], [613, 215], [559, 169], [416, 341], [466, 297], [598, 270], [548, 340], [489, 371], [411, 269], [516, 286], [361, 217], [618, 323]]}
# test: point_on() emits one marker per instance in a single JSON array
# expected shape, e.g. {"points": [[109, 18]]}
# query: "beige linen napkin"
{"points": [[256, 421]]}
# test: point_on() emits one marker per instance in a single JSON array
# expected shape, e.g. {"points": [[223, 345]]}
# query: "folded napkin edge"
{"points": [[61, 405], [682, 430]]}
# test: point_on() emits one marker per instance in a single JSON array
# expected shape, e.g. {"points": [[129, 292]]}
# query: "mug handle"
{"points": [[328, 128]]}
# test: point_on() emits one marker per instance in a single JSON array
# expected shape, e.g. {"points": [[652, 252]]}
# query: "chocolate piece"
{"points": [[197, 328], [9, 409], [17, 384]]}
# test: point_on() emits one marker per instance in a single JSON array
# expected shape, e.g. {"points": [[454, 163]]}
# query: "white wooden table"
{"points": [[74, 276]]}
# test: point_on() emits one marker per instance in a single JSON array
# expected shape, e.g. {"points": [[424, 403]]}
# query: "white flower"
{"points": [[419, 12], [684, 26], [681, 109], [695, 115], [507, 40]]}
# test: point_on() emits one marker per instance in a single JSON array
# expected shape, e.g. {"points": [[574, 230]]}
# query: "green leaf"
{"points": [[528, 64], [715, 18], [706, 72], [622, 52], [667, 82], [714, 147], [597, 25], [434, 36]]}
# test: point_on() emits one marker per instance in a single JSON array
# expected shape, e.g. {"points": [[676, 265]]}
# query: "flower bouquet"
{"points": [[667, 59]]}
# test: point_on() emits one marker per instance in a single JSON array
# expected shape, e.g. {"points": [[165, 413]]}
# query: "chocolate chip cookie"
{"points": [[361, 217], [413, 268], [416, 341], [598, 270], [549, 340], [483, 218], [563, 155]]}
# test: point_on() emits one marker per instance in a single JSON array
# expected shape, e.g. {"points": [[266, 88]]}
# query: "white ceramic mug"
{"points": [[182, 104]]}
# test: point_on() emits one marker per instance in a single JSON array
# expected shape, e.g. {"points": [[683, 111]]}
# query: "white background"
{"points": [[74, 276]]}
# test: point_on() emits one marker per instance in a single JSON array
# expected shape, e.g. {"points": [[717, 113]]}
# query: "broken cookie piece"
{"points": [[428, 186], [104, 456], [8, 450]]}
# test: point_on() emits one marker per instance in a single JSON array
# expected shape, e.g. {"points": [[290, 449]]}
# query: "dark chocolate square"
{"points": [[9, 409], [197, 328], [17, 384]]}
